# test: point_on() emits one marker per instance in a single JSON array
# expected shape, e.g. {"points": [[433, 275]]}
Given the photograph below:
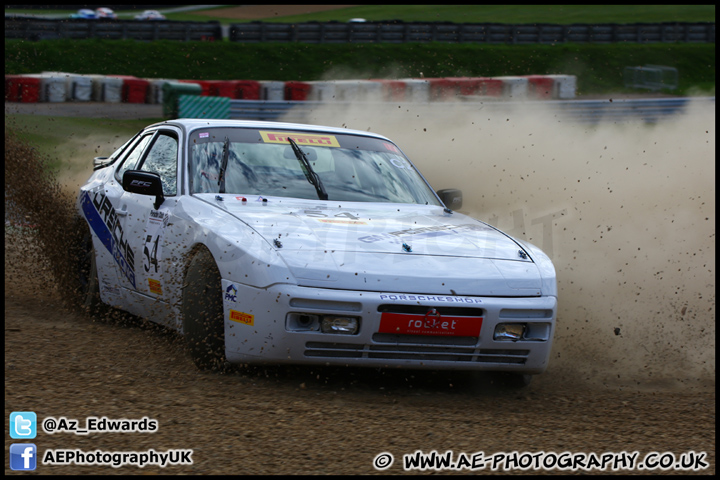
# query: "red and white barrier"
{"points": [[22, 88], [62, 86]]}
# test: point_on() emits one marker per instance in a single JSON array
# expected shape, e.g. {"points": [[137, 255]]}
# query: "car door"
{"points": [[101, 208], [145, 225]]}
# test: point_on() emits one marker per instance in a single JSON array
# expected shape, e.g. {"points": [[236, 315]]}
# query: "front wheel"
{"points": [[202, 312]]}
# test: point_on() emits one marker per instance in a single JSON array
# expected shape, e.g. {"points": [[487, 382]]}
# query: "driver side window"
{"points": [[162, 159], [132, 159]]}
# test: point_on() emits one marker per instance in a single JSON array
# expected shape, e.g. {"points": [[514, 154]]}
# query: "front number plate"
{"points": [[408, 324]]}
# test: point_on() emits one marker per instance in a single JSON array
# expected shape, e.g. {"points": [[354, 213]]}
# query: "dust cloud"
{"points": [[42, 233], [77, 154], [625, 210]]}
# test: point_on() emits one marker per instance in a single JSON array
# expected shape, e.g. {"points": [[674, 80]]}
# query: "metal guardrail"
{"points": [[51, 29], [584, 111], [401, 32], [33, 28], [653, 77]]}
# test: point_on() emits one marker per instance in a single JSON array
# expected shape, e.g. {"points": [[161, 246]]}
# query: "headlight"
{"points": [[509, 331], [306, 322], [343, 325]]}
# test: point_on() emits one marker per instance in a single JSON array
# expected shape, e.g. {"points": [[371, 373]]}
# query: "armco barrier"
{"points": [[367, 32], [404, 32], [576, 111], [197, 106], [50, 29]]}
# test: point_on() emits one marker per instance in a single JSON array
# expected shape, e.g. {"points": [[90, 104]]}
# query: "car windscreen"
{"points": [[263, 162]]}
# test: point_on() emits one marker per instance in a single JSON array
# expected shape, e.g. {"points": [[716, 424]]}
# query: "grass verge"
{"points": [[599, 68]]}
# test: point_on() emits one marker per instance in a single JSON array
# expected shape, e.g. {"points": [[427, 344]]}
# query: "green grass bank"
{"points": [[599, 68]]}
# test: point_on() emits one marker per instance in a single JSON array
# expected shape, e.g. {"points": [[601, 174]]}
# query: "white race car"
{"points": [[150, 15], [269, 242]]}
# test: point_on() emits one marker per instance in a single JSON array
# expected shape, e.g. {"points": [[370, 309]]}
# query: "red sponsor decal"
{"points": [[430, 324]]}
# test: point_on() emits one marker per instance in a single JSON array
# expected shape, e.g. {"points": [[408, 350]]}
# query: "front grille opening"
{"points": [[418, 353], [423, 339], [333, 350]]}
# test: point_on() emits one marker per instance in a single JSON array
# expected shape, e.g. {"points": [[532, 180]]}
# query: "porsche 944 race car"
{"points": [[266, 242]]}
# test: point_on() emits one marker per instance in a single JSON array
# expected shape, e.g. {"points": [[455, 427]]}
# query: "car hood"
{"points": [[388, 247]]}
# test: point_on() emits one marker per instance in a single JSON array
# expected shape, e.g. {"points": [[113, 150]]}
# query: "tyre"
{"points": [[202, 312]]}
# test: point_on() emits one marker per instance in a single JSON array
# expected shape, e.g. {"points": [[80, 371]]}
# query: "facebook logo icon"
{"points": [[23, 456], [23, 425]]}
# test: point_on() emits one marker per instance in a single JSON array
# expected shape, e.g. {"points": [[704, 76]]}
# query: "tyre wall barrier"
{"points": [[63, 86]]}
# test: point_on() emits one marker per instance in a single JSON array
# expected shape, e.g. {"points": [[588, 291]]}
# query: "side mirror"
{"points": [[144, 183], [451, 197]]}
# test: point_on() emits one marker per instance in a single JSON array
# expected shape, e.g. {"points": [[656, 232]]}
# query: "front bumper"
{"points": [[259, 330]]}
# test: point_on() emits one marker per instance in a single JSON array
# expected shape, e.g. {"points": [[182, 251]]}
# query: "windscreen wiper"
{"points": [[223, 165], [310, 174]]}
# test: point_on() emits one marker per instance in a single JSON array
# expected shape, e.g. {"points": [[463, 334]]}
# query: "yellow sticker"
{"points": [[155, 286], [242, 317], [301, 139]]}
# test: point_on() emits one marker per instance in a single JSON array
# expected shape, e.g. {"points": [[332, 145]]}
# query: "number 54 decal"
{"points": [[152, 250]]}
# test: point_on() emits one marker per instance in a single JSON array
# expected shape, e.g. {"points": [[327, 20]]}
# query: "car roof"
{"points": [[190, 124]]}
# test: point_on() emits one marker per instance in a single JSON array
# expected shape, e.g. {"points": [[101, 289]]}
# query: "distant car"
{"points": [[85, 13], [268, 242], [105, 13], [150, 15]]}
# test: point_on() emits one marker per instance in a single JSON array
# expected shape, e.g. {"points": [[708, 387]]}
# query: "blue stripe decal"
{"points": [[96, 223], [106, 237]]}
